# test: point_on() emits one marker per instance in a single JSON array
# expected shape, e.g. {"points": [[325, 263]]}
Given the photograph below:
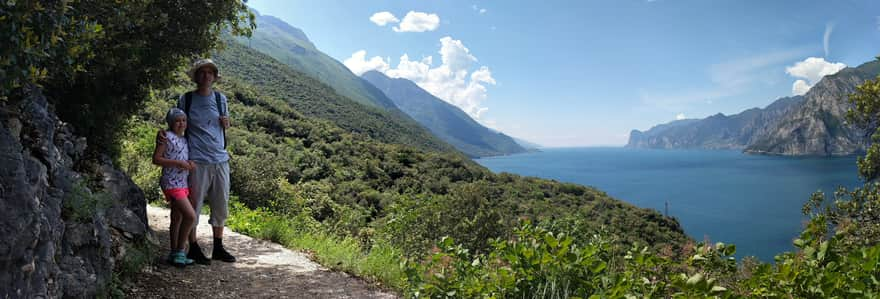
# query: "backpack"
{"points": [[188, 103]]}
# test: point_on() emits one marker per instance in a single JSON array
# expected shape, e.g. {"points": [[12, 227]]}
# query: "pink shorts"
{"points": [[176, 193]]}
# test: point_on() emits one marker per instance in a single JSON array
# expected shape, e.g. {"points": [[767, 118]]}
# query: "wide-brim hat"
{"points": [[202, 63]]}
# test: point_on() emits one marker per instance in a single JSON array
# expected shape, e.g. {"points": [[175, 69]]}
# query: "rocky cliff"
{"points": [[715, 132], [812, 124], [818, 126], [67, 220]]}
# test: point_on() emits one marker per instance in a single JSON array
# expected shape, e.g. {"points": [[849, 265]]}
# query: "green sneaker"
{"points": [[189, 261], [180, 260]]}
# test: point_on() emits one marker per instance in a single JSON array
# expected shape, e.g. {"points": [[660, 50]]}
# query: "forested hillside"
{"points": [[287, 162], [290, 46], [312, 98]]}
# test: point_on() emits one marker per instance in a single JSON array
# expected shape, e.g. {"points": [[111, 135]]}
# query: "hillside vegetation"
{"points": [[289, 163], [291, 46], [315, 99], [341, 183]]}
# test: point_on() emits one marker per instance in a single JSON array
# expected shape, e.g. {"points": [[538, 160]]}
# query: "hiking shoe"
{"points": [[220, 253], [195, 254], [179, 260], [172, 255]]}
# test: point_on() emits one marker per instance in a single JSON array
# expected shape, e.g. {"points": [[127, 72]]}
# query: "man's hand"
{"points": [[160, 137], [186, 165], [224, 121]]}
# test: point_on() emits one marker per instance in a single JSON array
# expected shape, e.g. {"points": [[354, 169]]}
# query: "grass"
{"points": [[380, 262]]}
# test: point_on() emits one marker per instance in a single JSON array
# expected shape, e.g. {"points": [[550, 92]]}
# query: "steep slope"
{"points": [[528, 145], [715, 132], [290, 45], [812, 124], [316, 99], [819, 126], [443, 119]]}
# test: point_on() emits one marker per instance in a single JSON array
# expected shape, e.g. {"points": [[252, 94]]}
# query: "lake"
{"points": [[752, 201]]}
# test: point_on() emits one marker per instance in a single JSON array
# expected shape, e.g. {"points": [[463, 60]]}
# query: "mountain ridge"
{"points": [[811, 124], [291, 46], [445, 120]]}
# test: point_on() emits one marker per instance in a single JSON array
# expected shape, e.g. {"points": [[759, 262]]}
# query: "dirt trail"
{"points": [[263, 270]]}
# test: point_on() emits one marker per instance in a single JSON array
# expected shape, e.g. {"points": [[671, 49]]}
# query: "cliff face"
{"points": [[715, 132], [60, 238], [818, 127], [812, 124]]}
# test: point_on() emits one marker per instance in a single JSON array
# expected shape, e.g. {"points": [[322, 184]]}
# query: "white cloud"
{"points": [[418, 22], [478, 9], [358, 64], [383, 18], [827, 37], [455, 54], [483, 75], [812, 69], [800, 87], [679, 116], [451, 81]]}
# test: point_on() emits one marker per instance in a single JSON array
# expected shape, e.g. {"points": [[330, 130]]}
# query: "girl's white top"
{"points": [[176, 149]]}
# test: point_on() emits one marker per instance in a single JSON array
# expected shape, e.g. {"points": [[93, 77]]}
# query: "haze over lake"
{"points": [[753, 201]]}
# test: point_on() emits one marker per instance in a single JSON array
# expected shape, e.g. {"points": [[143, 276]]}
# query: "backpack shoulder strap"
{"points": [[217, 101], [222, 113], [187, 102]]}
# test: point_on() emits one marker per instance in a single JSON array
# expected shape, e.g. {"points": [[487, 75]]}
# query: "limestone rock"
{"points": [[46, 252]]}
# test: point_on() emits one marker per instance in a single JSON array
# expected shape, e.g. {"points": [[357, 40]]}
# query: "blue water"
{"points": [[752, 201]]}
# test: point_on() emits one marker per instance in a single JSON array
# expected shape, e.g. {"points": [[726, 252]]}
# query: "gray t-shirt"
{"points": [[204, 134]]}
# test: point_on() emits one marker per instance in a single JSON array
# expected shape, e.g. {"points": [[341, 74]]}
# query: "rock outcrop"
{"points": [[66, 220], [818, 126], [812, 124], [715, 132]]}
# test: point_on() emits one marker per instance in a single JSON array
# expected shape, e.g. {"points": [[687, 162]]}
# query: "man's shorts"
{"points": [[210, 182]]}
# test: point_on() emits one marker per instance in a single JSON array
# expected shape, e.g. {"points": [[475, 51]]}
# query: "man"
{"points": [[208, 119]]}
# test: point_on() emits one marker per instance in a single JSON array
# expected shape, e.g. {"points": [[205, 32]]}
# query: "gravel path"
{"points": [[263, 270]]}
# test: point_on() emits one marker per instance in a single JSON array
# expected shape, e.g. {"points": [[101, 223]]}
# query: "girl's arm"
{"points": [[158, 159]]}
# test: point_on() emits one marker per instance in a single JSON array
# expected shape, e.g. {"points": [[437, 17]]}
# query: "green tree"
{"points": [[865, 113], [98, 60]]}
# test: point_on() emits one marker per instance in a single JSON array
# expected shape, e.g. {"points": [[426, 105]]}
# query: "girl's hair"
{"points": [[172, 115]]}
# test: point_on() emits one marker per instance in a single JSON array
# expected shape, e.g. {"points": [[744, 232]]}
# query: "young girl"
{"points": [[173, 156]]}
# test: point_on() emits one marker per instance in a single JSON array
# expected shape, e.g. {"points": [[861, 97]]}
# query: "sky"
{"points": [[586, 73]]}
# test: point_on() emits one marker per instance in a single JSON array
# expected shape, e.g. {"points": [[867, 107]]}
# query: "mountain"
{"points": [[528, 145], [718, 131], [443, 119], [818, 127], [291, 46], [812, 124], [316, 99]]}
